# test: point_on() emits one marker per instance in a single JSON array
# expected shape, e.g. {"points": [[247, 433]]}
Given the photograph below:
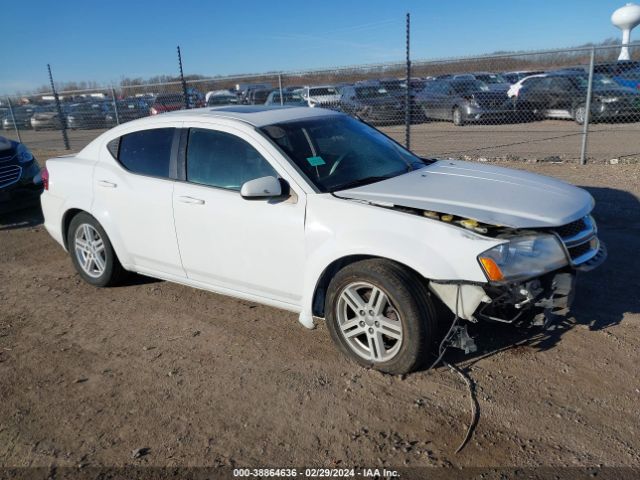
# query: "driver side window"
{"points": [[222, 160]]}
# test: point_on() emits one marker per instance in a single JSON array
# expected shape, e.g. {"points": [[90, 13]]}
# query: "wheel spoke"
{"points": [[376, 346], [377, 301], [354, 332], [82, 244], [390, 328], [99, 263], [86, 232], [98, 245], [353, 299], [86, 263]]}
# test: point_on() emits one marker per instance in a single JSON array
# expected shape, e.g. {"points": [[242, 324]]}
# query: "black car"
{"points": [[563, 95], [372, 103], [463, 100], [86, 115], [20, 179]]}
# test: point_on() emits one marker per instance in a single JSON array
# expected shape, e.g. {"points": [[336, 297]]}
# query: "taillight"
{"points": [[44, 174]]}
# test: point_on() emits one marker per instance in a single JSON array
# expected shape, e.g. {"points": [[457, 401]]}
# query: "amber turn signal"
{"points": [[492, 269]]}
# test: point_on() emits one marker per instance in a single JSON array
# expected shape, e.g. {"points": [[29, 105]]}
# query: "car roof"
{"points": [[256, 115]]}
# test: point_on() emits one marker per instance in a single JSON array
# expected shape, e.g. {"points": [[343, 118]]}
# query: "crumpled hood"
{"points": [[486, 193]]}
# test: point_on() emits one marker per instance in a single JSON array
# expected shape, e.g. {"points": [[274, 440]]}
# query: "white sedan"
{"points": [[315, 212]]}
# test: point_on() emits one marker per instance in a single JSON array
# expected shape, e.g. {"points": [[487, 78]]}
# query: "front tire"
{"points": [[458, 118], [91, 252], [380, 315], [580, 114]]}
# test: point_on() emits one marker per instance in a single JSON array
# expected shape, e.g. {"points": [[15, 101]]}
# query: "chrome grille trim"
{"points": [[580, 246], [9, 175]]}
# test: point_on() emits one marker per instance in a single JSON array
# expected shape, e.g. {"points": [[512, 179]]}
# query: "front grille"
{"points": [[9, 174], [570, 229], [7, 156], [579, 239]]}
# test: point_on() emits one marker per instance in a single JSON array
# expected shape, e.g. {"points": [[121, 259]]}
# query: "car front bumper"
{"points": [[27, 187]]}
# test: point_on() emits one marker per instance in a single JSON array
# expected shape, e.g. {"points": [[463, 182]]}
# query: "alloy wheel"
{"points": [[369, 322], [89, 250]]}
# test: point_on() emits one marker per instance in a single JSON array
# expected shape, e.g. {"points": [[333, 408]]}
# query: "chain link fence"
{"points": [[558, 105]]}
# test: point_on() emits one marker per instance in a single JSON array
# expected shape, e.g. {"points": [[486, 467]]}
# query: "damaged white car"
{"points": [[314, 212]]}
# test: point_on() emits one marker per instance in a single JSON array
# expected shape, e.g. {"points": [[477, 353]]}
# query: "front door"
{"points": [[253, 247]]}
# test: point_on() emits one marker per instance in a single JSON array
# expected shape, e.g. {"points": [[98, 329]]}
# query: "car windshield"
{"points": [[371, 92], [491, 78], [339, 152], [323, 91], [599, 80], [634, 75], [464, 87]]}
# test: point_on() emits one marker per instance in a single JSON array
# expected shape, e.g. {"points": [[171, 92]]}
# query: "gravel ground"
{"points": [[89, 375]]}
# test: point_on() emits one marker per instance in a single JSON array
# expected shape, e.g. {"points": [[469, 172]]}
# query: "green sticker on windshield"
{"points": [[316, 161]]}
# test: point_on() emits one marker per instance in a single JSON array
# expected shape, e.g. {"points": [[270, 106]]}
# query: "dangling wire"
{"points": [[444, 344]]}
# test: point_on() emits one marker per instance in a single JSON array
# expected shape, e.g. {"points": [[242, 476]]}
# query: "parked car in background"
{"points": [[563, 94], [371, 102], [311, 211], [257, 96], [494, 81], [22, 116], [290, 98], [325, 96], [514, 77], [463, 101], [223, 97], [86, 115], [130, 108], [517, 86], [169, 102], [46, 118], [20, 179], [625, 73]]}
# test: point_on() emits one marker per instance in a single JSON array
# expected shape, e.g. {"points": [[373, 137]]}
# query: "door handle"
{"points": [[106, 184], [191, 200]]}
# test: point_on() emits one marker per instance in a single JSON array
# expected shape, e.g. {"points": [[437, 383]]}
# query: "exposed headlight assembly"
{"points": [[523, 257], [23, 153]]}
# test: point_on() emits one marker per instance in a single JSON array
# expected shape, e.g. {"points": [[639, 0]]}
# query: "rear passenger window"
{"points": [[147, 152], [222, 160]]}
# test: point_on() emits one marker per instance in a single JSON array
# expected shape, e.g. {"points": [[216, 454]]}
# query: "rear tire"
{"points": [[91, 252], [380, 315]]}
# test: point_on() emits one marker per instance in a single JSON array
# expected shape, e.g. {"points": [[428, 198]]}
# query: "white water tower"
{"points": [[626, 18]]}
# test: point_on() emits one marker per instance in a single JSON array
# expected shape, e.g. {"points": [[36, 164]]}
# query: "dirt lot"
{"points": [[549, 139], [88, 375]]}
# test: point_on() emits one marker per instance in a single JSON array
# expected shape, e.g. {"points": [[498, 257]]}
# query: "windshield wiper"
{"points": [[363, 181]]}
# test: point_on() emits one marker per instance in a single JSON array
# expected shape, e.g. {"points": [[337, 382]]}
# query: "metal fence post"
{"points": [[587, 113], [280, 87], [13, 119], [115, 105], [184, 84], [63, 119], [407, 100]]}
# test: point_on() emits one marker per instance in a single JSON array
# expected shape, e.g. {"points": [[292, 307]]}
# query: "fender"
{"points": [[407, 239]]}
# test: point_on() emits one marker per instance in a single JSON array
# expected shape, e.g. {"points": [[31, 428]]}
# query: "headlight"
{"points": [[523, 257], [609, 99], [24, 155]]}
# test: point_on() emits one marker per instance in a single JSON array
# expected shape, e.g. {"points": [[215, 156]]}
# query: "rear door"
{"points": [[133, 187]]}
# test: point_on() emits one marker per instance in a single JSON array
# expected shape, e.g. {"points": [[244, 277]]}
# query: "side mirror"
{"points": [[264, 187]]}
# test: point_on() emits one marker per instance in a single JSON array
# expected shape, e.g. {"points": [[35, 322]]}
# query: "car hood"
{"points": [[5, 144], [486, 193]]}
